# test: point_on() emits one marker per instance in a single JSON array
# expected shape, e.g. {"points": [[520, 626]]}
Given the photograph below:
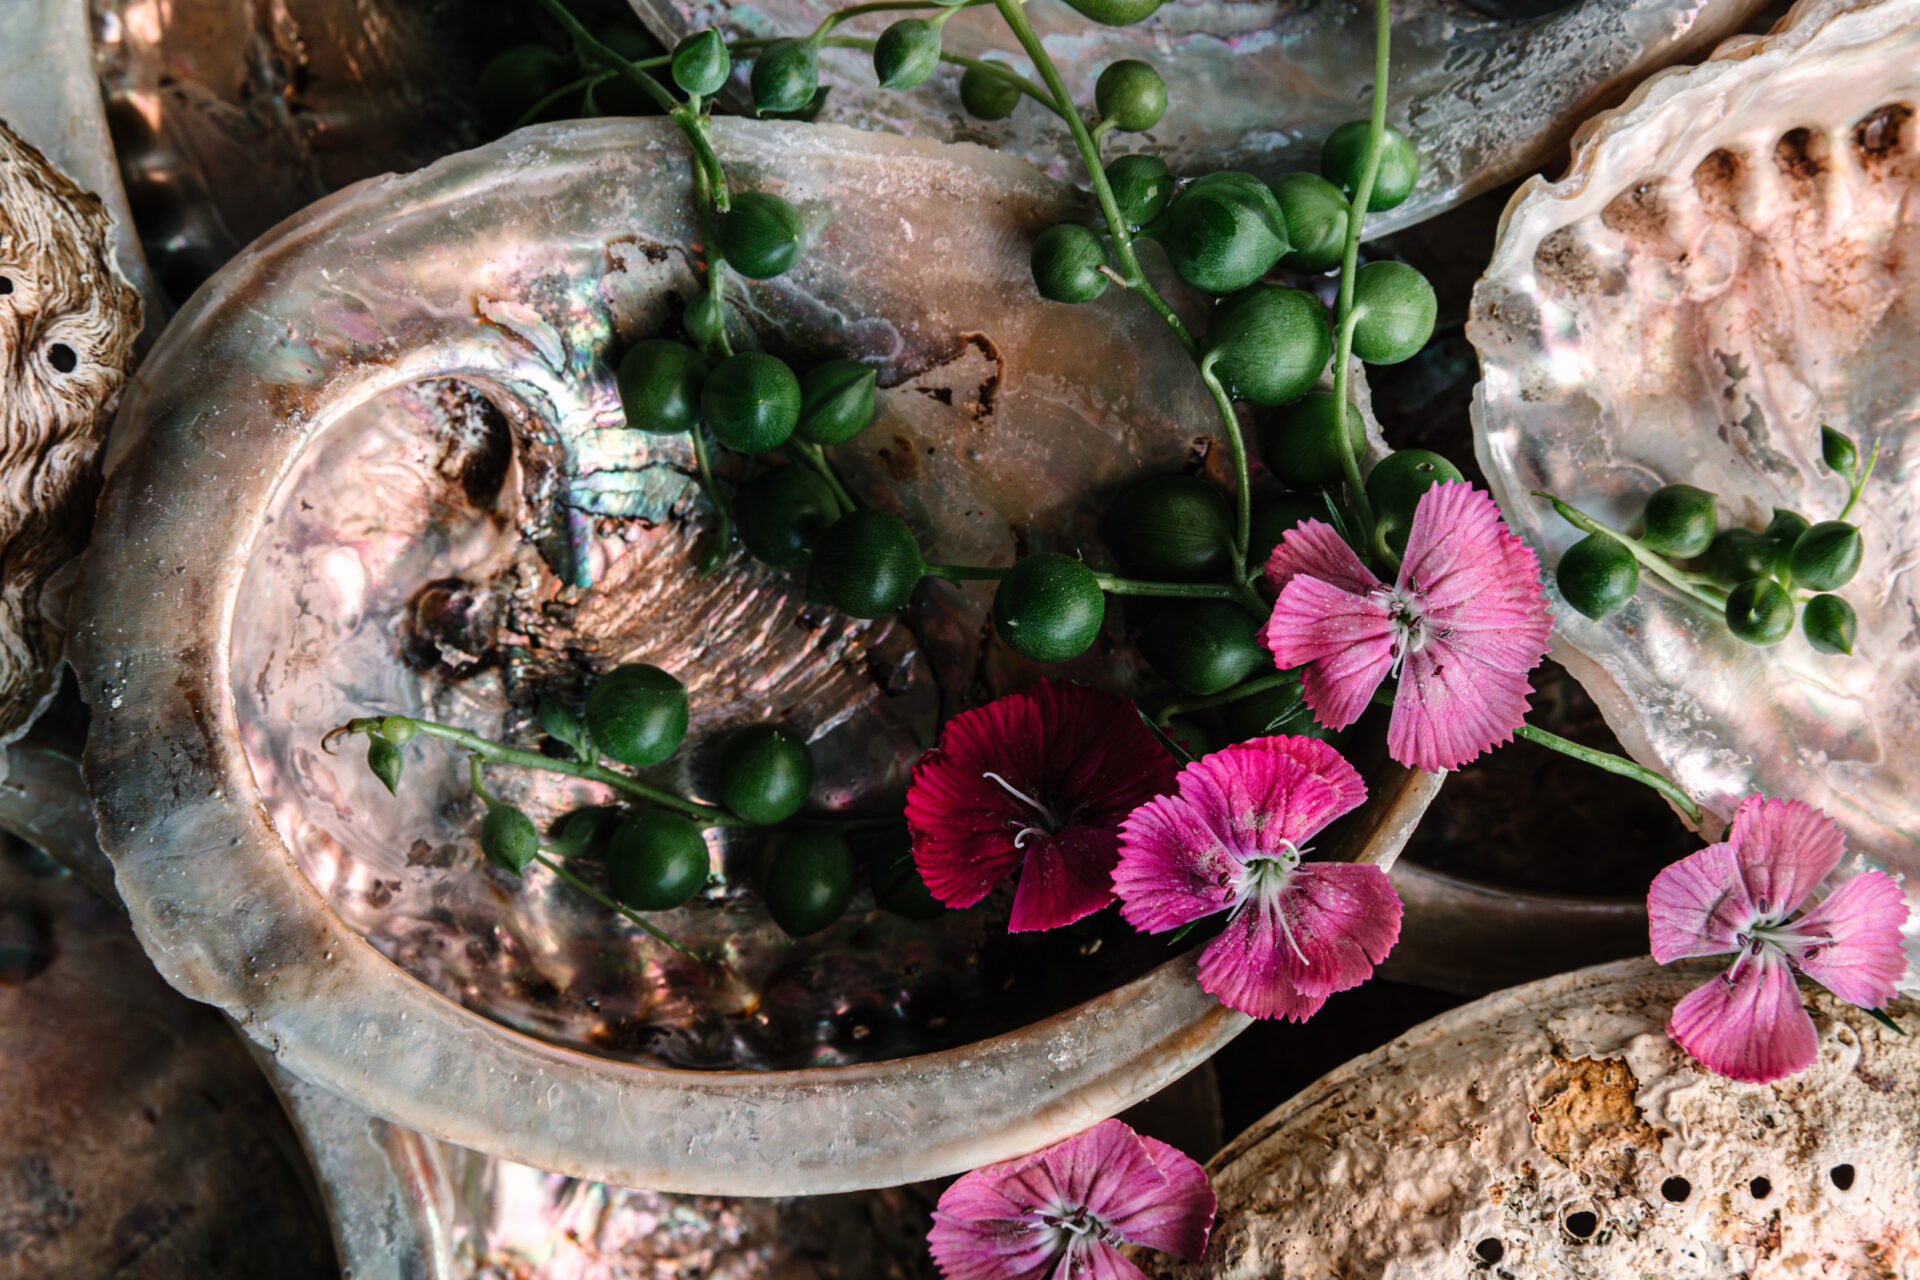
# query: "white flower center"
{"points": [[1407, 612], [1771, 934], [1264, 880], [1049, 820]]}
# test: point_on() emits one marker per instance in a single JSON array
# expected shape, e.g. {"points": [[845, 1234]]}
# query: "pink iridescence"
{"points": [[1065, 1211], [1461, 627], [1737, 896], [1232, 839]]}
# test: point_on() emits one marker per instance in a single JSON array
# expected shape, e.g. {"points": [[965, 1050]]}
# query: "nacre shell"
{"points": [[1728, 265]]}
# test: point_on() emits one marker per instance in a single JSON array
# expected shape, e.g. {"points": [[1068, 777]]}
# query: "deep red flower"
{"points": [[1038, 781]]}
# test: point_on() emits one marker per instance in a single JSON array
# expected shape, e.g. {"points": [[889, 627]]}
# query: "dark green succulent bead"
{"points": [[988, 96], [751, 402], [656, 861], [701, 63], [508, 838], [1827, 555], [1268, 345], [1224, 232], [1142, 187], [1598, 575], [895, 877], [1171, 529], [1301, 443], [868, 563], [1839, 452], [809, 882], [1276, 515], [836, 401], [1394, 309], [1785, 529], [637, 714], [1680, 522], [1049, 607], [586, 833], [1829, 624], [1344, 155], [1204, 647], [766, 773], [660, 383], [1735, 555], [1130, 95], [906, 54], [785, 76], [1760, 612], [1115, 13], [1395, 486], [761, 235], [1316, 216], [782, 513], [1066, 263], [513, 82], [386, 761], [807, 114]]}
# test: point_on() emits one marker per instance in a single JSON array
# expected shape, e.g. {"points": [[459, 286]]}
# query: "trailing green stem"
{"points": [[723, 514], [1172, 590], [965, 572], [1242, 481], [814, 457], [1689, 584], [997, 69], [1853, 496], [532, 113], [1613, 764], [610, 904], [838, 16]]}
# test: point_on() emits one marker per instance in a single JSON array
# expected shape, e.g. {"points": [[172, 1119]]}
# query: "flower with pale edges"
{"points": [[1461, 626], [1063, 1213], [1038, 782], [1739, 897], [1233, 838]]}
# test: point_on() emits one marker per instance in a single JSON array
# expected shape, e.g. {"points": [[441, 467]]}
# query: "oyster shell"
{"points": [[1727, 266], [1488, 93], [1553, 1129]]}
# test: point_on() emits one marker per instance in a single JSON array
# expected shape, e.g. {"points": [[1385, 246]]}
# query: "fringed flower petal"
{"points": [[1313, 548], [1698, 906], [1785, 849], [1864, 956], [1748, 1024], [1064, 878], [1450, 709], [1344, 642]]}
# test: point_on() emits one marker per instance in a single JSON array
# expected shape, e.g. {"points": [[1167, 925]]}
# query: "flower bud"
{"points": [[1224, 232], [1316, 215], [906, 54], [761, 235], [751, 402], [1827, 555], [1839, 453], [1343, 156], [785, 76], [1049, 607], [1130, 95], [1204, 647], [1598, 575], [836, 401], [766, 773], [1301, 444], [1829, 624], [1142, 187], [508, 838], [868, 563], [1394, 310], [1267, 345], [386, 760], [782, 513], [701, 63], [659, 383], [1679, 521], [988, 96], [1760, 612], [1066, 263], [1171, 529]]}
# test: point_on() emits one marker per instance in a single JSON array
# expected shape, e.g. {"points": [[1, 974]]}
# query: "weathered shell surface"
{"points": [[1729, 264], [67, 324], [1257, 85], [393, 456], [1554, 1130]]}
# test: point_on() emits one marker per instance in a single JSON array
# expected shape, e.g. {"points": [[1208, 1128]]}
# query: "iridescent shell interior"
{"points": [[1728, 266]]}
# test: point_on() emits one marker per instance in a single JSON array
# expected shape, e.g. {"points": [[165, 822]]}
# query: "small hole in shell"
{"points": [[1490, 1249], [1583, 1224], [62, 358], [1842, 1175], [1717, 180], [1760, 1188], [6, 286], [1798, 154], [1676, 1189], [1879, 135]]}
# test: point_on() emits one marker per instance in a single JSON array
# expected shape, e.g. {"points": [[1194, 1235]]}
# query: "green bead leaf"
{"points": [[1839, 452], [386, 761]]}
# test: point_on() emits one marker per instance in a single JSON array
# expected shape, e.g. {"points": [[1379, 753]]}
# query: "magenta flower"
{"points": [[1063, 1213], [1736, 896], [1461, 627], [1040, 781], [1233, 840]]}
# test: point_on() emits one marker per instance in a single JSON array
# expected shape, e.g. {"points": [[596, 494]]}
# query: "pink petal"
{"points": [[1785, 849], [963, 823], [1324, 761], [1173, 869], [1314, 549], [1098, 1260], [1344, 641], [1698, 906], [1063, 879], [1262, 795], [1342, 918], [1100, 758], [1752, 1028], [1180, 1217], [1478, 584], [1450, 707], [1864, 962], [990, 1249]]}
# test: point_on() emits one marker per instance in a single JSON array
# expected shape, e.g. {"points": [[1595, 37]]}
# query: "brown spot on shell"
{"points": [[1584, 1115], [1880, 134]]}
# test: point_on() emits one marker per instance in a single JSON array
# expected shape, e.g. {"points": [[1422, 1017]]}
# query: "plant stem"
{"points": [[1245, 689], [1613, 764], [723, 515], [839, 16], [1172, 590], [814, 457], [1242, 481], [965, 572], [611, 905], [532, 113], [607, 58], [997, 69], [1016, 19], [1687, 583], [1344, 317], [1854, 495]]}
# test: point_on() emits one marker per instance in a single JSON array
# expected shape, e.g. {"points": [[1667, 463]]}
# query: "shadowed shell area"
{"points": [[400, 480], [1554, 1130], [1729, 265], [67, 324], [1487, 91]]}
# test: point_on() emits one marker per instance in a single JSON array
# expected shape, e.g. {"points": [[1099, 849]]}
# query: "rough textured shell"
{"points": [[1728, 265], [1554, 1130]]}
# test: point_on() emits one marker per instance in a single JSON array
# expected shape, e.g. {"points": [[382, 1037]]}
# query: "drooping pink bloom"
{"points": [[1040, 781], [1062, 1213], [1233, 839], [1749, 1023], [1461, 627]]}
